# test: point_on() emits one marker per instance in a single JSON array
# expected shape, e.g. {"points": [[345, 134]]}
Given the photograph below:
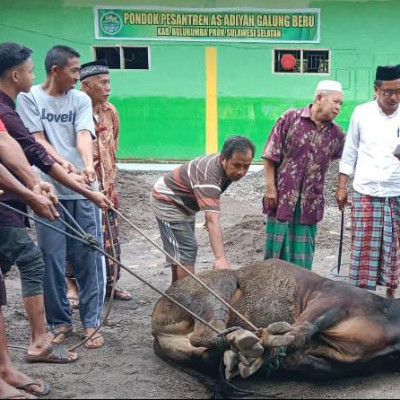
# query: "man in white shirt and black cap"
{"points": [[297, 155], [369, 155]]}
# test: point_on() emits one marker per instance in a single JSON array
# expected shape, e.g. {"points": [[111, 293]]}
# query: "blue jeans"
{"points": [[88, 266]]}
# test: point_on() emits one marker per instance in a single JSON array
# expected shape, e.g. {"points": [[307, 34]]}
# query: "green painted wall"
{"points": [[163, 110]]}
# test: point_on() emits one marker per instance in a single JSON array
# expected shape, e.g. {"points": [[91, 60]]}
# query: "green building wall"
{"points": [[163, 110]]}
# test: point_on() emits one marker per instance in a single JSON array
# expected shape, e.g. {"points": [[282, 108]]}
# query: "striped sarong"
{"points": [[291, 241], [375, 242]]}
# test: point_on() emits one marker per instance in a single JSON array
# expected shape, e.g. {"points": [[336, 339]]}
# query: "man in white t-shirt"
{"points": [[61, 119], [369, 155]]}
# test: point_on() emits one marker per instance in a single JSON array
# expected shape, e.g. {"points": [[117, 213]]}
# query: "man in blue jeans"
{"points": [[60, 118], [18, 151]]}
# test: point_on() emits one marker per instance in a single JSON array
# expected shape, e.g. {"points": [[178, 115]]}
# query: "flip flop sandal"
{"points": [[22, 395], [61, 334], [93, 347], [120, 295], [55, 354], [26, 387]]}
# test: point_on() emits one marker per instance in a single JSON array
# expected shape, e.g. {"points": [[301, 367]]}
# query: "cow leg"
{"points": [[315, 319], [177, 348], [318, 367], [172, 331], [180, 338]]}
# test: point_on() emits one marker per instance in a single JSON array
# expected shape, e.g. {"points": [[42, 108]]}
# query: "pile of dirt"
{"points": [[244, 242], [134, 191], [249, 189]]}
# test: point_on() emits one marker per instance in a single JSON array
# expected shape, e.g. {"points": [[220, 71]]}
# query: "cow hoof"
{"points": [[269, 340], [245, 361], [282, 340], [230, 360], [254, 352], [247, 371], [279, 328], [245, 340], [230, 375]]}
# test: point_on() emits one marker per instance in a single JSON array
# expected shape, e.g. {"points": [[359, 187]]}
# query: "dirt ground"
{"points": [[127, 367]]}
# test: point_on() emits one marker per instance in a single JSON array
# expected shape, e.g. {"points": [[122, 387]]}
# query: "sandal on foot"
{"points": [[21, 395], [54, 354], [61, 333], [96, 337], [119, 294], [29, 387]]}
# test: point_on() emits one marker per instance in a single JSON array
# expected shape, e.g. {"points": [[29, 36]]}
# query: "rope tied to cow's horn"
{"points": [[180, 265]]}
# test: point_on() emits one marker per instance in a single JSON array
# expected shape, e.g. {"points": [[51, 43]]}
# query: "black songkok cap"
{"points": [[388, 73], [98, 67]]}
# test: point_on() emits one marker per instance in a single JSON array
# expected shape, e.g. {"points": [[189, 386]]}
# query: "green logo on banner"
{"points": [[111, 23]]}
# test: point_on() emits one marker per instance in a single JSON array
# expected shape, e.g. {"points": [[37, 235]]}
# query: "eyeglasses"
{"points": [[391, 92]]}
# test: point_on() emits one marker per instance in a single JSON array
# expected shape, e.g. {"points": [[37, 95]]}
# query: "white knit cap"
{"points": [[329, 86]]}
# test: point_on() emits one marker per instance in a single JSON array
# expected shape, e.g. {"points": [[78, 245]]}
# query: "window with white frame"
{"points": [[124, 57], [299, 61]]}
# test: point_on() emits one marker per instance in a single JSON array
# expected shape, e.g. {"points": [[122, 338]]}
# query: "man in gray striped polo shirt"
{"points": [[197, 186]]}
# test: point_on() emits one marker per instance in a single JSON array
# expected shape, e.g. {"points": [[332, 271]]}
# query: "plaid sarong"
{"points": [[291, 241], [375, 242]]}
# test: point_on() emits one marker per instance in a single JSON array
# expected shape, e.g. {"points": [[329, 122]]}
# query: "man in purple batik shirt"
{"points": [[297, 155]]}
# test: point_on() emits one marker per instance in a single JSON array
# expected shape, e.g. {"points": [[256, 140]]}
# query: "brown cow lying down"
{"points": [[325, 328]]}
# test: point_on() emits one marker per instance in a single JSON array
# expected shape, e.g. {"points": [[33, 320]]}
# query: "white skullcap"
{"points": [[329, 86]]}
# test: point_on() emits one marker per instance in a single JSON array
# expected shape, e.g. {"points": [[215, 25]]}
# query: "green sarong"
{"points": [[291, 241]]}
